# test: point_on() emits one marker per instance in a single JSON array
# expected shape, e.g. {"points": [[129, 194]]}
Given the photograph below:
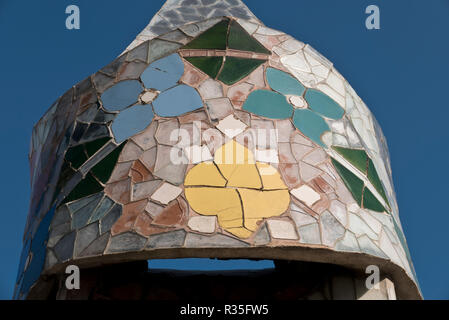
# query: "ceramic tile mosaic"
{"points": [[211, 131]]}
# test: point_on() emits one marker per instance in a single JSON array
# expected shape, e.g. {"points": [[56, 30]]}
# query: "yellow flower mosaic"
{"points": [[236, 189]]}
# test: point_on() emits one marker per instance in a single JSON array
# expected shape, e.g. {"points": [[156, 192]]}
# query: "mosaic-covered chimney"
{"points": [[214, 136]]}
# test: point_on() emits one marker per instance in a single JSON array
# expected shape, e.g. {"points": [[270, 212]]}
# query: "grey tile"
{"points": [[82, 216], [103, 208], [85, 237], [332, 230], [139, 53], [194, 240], [64, 248], [161, 48], [126, 242], [367, 246], [108, 221], [167, 240], [62, 215], [97, 247], [262, 237], [57, 233], [310, 234]]}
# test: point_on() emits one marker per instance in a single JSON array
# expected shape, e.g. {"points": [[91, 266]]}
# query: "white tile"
{"points": [[369, 219], [296, 61], [203, 224], [292, 45], [268, 32], [231, 127], [298, 102], [211, 89], [269, 156], [166, 193], [301, 219], [149, 96], [388, 248], [336, 83], [359, 227], [306, 194], [248, 26], [197, 154], [338, 127], [282, 230], [338, 209]]}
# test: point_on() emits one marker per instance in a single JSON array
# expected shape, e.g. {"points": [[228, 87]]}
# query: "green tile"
{"points": [[76, 156], [370, 201], [94, 146], [358, 158], [89, 185], [268, 104], [352, 182], [373, 177], [239, 39], [213, 38], [104, 168], [209, 65], [235, 69]]}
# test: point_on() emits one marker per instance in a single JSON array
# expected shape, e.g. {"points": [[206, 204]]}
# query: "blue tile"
{"points": [[163, 74], [131, 121], [284, 83], [310, 124], [268, 104], [103, 208], [121, 95], [177, 101], [323, 104], [38, 249]]}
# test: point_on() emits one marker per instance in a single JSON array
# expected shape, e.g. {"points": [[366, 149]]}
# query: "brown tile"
{"points": [[119, 191], [321, 184], [195, 116], [192, 76], [129, 216], [290, 173], [139, 173], [171, 216]]}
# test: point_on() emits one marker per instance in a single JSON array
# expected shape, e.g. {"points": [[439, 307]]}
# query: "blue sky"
{"points": [[400, 71]]}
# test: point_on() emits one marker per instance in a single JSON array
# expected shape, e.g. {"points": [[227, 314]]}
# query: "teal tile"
{"points": [[268, 104], [310, 124], [323, 104], [284, 83]]}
